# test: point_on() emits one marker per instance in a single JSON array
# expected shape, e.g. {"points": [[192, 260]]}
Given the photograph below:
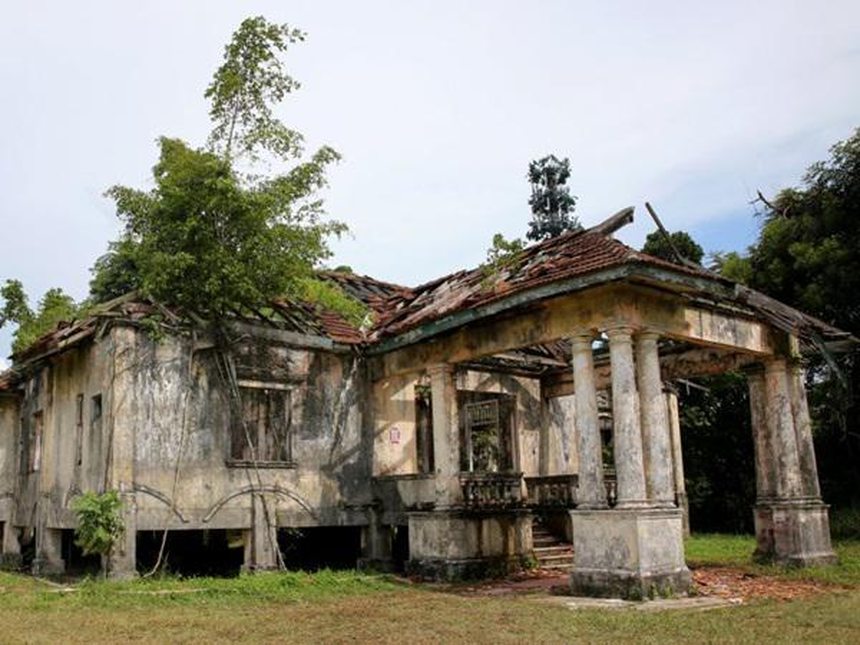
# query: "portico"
{"points": [[629, 330]]}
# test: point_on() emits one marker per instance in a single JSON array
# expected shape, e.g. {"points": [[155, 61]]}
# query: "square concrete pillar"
{"points": [[261, 541], [791, 522], [49, 553], [10, 548], [458, 545], [122, 562], [446, 434], [629, 553], [377, 541], [793, 533]]}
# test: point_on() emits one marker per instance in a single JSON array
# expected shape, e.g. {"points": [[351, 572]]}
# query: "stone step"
{"points": [[558, 567], [546, 541], [556, 557], [555, 549]]}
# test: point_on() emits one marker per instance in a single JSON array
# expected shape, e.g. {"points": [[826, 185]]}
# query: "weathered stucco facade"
{"points": [[438, 437]]}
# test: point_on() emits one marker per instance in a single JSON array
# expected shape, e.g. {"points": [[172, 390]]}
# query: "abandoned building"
{"points": [[475, 421]]}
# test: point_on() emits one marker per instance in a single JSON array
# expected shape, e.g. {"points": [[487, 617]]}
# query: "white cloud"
{"points": [[437, 108]]}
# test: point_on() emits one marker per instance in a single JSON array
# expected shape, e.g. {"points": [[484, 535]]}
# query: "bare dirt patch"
{"points": [[708, 581], [727, 582]]}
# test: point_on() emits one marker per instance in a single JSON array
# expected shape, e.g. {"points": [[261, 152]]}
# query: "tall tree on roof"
{"points": [[551, 202], [220, 232]]}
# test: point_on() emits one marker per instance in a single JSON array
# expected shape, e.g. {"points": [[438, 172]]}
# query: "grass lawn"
{"points": [[351, 607]]}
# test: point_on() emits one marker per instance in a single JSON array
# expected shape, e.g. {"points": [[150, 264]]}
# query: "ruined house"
{"points": [[471, 421]]}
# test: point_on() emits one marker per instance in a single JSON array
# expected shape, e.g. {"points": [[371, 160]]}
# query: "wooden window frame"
{"points": [[263, 428]]}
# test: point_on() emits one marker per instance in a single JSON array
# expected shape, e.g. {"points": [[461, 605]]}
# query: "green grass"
{"points": [[736, 551], [336, 607]]}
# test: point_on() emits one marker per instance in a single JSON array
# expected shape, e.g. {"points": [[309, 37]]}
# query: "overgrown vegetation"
{"points": [[100, 522], [501, 256], [220, 231], [54, 307], [229, 226]]}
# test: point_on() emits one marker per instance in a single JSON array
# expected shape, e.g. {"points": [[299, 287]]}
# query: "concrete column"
{"points": [[10, 548], [261, 542], [591, 491], [791, 523], [656, 438], [803, 433], [446, 434], [49, 553], [764, 452], [122, 562], [678, 457], [780, 424], [376, 544], [627, 431], [544, 439]]}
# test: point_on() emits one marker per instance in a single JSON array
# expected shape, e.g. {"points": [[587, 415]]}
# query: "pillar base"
{"points": [[11, 562], [631, 554], [46, 567], [455, 545], [793, 533], [49, 550]]}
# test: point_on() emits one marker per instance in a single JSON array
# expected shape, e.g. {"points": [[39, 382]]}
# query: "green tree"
{"points": [[216, 234], [657, 245], [116, 272], [717, 439], [16, 307], [54, 307], [551, 203], [808, 255], [100, 522], [733, 266]]}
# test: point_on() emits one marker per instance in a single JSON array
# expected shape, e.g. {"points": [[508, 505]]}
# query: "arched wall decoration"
{"points": [[247, 490], [161, 497]]}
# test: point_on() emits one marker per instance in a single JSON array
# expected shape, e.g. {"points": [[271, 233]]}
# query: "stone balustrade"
{"points": [[492, 490]]}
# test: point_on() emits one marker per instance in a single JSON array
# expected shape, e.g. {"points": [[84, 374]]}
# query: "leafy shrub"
{"points": [[99, 521]]}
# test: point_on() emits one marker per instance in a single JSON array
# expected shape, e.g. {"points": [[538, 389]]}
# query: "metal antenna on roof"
{"points": [[668, 239]]}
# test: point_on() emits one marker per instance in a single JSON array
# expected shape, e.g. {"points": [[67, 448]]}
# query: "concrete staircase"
{"points": [[550, 551]]}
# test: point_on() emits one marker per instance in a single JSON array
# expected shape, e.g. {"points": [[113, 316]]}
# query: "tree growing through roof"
{"points": [[219, 231], [657, 245], [55, 306], [551, 203]]}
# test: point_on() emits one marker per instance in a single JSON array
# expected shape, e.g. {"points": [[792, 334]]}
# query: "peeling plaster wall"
{"points": [[395, 451], [157, 404], [44, 496], [179, 408], [561, 435], [394, 448], [8, 451]]}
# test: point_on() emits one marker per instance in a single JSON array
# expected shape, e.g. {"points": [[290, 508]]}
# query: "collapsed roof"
{"points": [[571, 261]]}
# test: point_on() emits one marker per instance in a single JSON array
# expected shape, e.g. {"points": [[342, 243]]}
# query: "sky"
{"points": [[437, 107]]}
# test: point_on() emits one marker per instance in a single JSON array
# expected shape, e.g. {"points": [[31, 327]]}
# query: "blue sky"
{"points": [[437, 108]]}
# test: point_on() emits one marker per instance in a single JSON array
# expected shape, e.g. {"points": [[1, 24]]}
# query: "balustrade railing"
{"points": [[552, 491], [559, 491], [492, 490]]}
